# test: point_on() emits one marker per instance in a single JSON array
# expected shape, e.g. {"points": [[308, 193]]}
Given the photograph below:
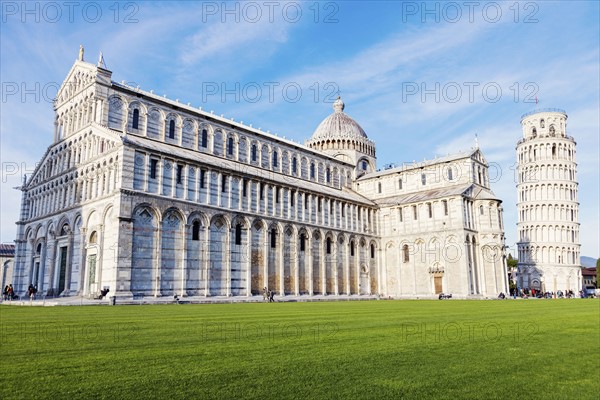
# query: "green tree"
{"points": [[511, 262]]}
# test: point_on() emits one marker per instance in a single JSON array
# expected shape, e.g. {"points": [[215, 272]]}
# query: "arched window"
{"points": [[196, 230], [445, 204], [230, 146], [542, 123], [481, 209], [364, 165], [38, 250], [275, 159], [552, 130], [352, 248], [450, 173], [328, 246], [253, 153], [302, 242], [379, 187], [273, 238], [312, 171], [172, 129], [294, 165], [179, 173], [533, 132], [204, 138], [238, 234], [423, 179], [94, 237], [405, 254], [64, 230], [372, 250], [136, 119], [430, 210], [328, 175], [400, 184]]}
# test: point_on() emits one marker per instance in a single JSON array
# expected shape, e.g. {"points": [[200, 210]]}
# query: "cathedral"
{"points": [[146, 196]]}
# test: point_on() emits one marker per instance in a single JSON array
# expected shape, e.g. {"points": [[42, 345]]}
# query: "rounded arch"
{"points": [[173, 211], [197, 216], [220, 220], [92, 219], [241, 219], [155, 212]]}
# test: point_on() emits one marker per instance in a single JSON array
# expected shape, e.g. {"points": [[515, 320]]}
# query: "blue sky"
{"points": [[422, 79]]}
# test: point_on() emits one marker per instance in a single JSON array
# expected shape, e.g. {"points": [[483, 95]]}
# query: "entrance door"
{"points": [[364, 281], [63, 269], [36, 271], [437, 281], [92, 273]]}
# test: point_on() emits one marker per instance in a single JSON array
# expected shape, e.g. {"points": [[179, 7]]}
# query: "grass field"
{"points": [[327, 350]]}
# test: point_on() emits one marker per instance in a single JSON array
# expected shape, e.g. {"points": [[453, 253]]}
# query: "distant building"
{"points": [[590, 277], [7, 259], [547, 205], [146, 195]]}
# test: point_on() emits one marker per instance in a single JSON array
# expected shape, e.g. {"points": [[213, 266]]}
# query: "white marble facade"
{"points": [[548, 204], [145, 195]]}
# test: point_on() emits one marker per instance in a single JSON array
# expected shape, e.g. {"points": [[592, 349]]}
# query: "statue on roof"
{"points": [[80, 52], [101, 63]]}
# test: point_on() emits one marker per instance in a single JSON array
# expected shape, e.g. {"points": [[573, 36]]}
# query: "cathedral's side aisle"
{"points": [[146, 195]]}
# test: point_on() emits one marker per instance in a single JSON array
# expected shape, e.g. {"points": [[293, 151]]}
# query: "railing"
{"points": [[545, 138], [539, 110]]}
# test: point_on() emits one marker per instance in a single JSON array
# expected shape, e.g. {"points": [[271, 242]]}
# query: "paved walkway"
{"points": [[83, 301]]}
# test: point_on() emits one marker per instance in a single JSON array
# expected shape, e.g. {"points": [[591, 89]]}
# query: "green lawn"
{"points": [[328, 350]]}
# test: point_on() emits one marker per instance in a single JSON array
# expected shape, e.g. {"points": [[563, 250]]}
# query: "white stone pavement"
{"points": [[147, 300], [84, 301]]}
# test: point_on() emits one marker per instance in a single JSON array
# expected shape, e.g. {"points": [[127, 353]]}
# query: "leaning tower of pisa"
{"points": [[548, 207]]}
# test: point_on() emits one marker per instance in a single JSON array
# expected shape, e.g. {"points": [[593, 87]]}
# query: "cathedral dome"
{"points": [[338, 125]]}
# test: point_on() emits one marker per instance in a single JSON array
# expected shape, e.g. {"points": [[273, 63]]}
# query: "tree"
{"points": [[511, 262]]}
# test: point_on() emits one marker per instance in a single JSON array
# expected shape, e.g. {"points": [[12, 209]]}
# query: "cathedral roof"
{"points": [[467, 189], [425, 195], [338, 125], [7, 250], [416, 165], [219, 163]]}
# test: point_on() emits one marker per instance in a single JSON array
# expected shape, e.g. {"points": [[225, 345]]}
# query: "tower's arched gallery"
{"points": [[146, 195]]}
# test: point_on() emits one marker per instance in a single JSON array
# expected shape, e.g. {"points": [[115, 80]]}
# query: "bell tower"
{"points": [[547, 203]]}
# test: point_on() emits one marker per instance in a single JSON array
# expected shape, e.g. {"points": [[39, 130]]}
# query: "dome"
{"points": [[338, 125]]}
